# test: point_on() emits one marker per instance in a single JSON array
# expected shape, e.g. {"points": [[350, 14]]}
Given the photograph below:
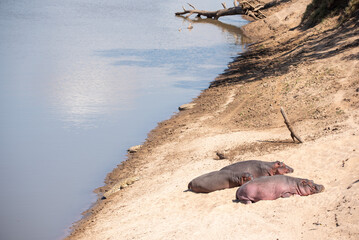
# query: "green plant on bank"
{"points": [[286, 88], [339, 111], [261, 47], [318, 10]]}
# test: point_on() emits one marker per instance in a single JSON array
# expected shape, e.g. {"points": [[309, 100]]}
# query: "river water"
{"points": [[80, 82]]}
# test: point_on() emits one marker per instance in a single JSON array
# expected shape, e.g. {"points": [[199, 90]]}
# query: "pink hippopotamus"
{"points": [[259, 168], [273, 187], [218, 180]]}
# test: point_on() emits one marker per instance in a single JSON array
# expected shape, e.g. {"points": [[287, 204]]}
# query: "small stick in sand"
{"points": [[350, 186], [290, 128]]}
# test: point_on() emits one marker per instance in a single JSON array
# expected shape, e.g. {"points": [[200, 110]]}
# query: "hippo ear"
{"points": [[310, 183], [277, 164], [303, 182]]}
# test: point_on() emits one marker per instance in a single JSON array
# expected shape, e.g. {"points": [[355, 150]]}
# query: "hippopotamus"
{"points": [[259, 168], [218, 180], [273, 187]]}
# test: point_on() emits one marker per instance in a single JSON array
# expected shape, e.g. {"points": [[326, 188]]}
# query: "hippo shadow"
{"points": [[243, 202], [189, 190], [277, 141]]}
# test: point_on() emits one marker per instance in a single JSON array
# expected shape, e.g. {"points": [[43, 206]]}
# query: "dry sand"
{"points": [[314, 73], [158, 208]]}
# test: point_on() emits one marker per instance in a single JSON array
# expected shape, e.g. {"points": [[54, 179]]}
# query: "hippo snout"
{"points": [[290, 170], [284, 170], [281, 168], [319, 188]]}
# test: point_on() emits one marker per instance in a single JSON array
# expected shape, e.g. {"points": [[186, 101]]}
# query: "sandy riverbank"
{"points": [[314, 74]]}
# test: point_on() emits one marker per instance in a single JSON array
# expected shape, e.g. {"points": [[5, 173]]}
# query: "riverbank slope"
{"points": [[314, 74]]}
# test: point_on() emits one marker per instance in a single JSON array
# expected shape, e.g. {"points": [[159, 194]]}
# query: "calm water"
{"points": [[80, 82]]}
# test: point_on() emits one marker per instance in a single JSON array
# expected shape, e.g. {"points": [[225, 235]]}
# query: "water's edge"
{"points": [[109, 181], [81, 82]]}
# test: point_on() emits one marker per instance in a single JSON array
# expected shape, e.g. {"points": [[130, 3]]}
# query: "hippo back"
{"points": [[218, 180], [273, 187], [255, 167]]}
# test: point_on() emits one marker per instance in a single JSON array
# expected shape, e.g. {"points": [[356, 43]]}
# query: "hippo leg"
{"points": [[243, 199], [287, 194]]}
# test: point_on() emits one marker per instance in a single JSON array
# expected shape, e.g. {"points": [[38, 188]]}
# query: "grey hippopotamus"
{"points": [[218, 180], [259, 168], [271, 188]]}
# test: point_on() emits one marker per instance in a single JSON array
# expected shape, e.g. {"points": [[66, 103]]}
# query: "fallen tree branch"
{"points": [[191, 6], [290, 128], [212, 14], [254, 8], [242, 8]]}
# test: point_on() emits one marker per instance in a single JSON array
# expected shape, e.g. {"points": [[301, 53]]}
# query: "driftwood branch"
{"points": [[290, 128], [212, 14], [254, 9], [191, 6], [240, 8]]}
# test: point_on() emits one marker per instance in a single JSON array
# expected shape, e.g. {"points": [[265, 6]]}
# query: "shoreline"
{"points": [[238, 115]]}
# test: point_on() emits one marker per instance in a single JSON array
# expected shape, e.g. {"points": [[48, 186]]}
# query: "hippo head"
{"points": [[246, 177], [280, 168], [308, 187]]}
